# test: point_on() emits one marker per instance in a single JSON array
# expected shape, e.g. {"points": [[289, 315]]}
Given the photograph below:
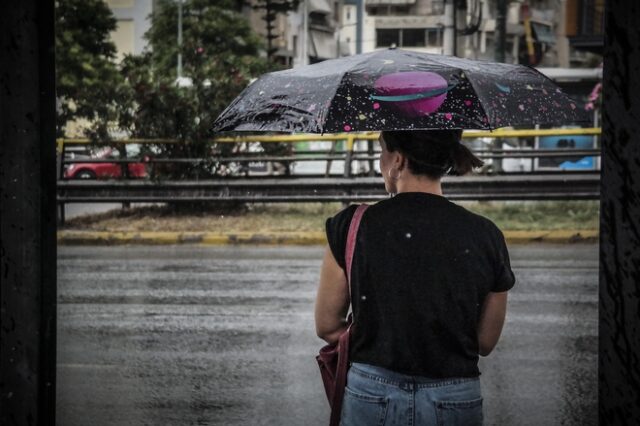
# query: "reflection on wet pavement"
{"points": [[225, 336]]}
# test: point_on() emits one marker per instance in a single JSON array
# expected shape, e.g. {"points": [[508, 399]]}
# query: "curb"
{"points": [[283, 238]]}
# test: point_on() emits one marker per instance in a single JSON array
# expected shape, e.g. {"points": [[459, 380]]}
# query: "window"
{"points": [[386, 37], [413, 37], [400, 10], [409, 37], [434, 37], [318, 19]]}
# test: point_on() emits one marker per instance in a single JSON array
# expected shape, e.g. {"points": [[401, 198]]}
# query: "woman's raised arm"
{"points": [[491, 321], [332, 302]]}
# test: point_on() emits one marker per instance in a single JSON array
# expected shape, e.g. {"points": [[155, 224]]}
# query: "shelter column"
{"points": [[619, 331], [27, 214]]}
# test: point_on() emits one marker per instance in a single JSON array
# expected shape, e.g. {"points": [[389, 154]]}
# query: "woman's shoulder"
{"points": [[343, 215], [477, 220], [337, 228]]}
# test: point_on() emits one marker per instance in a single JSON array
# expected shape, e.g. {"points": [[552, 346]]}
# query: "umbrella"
{"points": [[395, 89]]}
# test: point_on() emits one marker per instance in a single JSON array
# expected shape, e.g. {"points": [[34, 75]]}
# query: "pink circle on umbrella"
{"points": [[416, 83]]}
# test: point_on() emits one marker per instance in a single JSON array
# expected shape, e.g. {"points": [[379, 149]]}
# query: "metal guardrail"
{"points": [[523, 187], [348, 155], [549, 186]]}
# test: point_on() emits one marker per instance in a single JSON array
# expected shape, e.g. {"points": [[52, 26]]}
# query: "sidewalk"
{"points": [[70, 237]]}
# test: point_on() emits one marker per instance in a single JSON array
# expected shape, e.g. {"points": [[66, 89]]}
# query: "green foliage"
{"points": [[220, 54], [539, 215], [88, 83]]}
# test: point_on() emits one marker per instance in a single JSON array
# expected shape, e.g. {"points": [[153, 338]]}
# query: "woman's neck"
{"points": [[412, 183]]}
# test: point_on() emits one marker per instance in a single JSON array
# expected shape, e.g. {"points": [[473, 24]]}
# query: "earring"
{"points": [[396, 177]]}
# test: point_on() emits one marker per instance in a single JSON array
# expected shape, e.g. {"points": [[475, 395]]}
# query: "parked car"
{"points": [[105, 170]]}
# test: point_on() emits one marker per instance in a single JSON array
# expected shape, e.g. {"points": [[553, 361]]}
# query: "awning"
{"points": [[322, 6], [544, 33]]}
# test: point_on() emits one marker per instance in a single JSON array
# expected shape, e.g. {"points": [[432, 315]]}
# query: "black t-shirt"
{"points": [[421, 270]]}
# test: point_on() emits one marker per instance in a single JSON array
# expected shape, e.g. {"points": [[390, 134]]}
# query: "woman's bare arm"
{"points": [[332, 302], [491, 321]]}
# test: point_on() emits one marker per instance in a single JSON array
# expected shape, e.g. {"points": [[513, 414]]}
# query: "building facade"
{"points": [[133, 23], [546, 33]]}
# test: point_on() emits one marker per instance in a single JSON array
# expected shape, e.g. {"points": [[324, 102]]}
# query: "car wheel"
{"points": [[85, 174]]}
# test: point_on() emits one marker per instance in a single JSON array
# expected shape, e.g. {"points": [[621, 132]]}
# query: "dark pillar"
{"points": [[359, 25], [501, 30], [27, 214], [619, 332]]}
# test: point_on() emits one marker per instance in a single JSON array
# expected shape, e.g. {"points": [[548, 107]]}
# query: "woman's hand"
{"points": [[491, 321], [332, 302]]}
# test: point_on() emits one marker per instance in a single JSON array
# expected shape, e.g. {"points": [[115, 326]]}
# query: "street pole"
{"points": [[501, 30], [448, 43], [179, 70], [305, 33], [359, 25], [455, 25]]}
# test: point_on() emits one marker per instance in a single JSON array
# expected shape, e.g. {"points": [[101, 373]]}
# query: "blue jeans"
{"points": [[377, 396]]}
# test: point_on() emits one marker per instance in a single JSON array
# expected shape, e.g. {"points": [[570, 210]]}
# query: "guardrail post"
{"points": [[370, 152], [332, 151], [349, 156], [124, 167]]}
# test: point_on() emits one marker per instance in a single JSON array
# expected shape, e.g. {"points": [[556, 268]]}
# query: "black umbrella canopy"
{"points": [[399, 90]]}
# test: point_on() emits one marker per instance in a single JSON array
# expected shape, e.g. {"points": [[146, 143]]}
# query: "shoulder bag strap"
{"points": [[351, 240], [343, 344]]}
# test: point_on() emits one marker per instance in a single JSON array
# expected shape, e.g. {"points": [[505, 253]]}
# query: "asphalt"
{"points": [[79, 237], [224, 335]]}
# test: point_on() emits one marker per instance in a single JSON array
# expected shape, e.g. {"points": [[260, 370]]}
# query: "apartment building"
{"points": [[547, 33], [562, 33], [430, 25]]}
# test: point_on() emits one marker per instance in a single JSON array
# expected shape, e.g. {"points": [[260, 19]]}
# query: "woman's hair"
{"points": [[432, 152]]}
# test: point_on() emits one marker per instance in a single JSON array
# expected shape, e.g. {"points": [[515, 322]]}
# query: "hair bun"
{"points": [[432, 152]]}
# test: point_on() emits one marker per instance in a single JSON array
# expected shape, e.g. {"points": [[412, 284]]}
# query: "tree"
{"points": [[88, 83], [220, 54]]}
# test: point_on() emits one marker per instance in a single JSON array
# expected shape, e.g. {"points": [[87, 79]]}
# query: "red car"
{"points": [[104, 170]]}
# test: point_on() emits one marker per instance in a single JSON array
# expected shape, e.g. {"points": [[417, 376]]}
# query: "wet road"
{"points": [[224, 336]]}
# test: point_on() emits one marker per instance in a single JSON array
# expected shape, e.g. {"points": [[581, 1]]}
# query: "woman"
{"points": [[429, 288]]}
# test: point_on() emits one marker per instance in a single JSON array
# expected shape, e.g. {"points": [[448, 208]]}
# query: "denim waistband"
{"points": [[384, 375]]}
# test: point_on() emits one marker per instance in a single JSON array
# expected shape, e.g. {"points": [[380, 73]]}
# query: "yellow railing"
{"points": [[350, 138]]}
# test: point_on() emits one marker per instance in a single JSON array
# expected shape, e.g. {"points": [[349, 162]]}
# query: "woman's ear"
{"points": [[399, 161]]}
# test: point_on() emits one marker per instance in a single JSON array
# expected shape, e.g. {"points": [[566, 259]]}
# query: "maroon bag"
{"points": [[333, 360]]}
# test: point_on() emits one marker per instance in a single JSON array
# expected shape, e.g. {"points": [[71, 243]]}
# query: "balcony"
{"points": [[585, 24]]}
